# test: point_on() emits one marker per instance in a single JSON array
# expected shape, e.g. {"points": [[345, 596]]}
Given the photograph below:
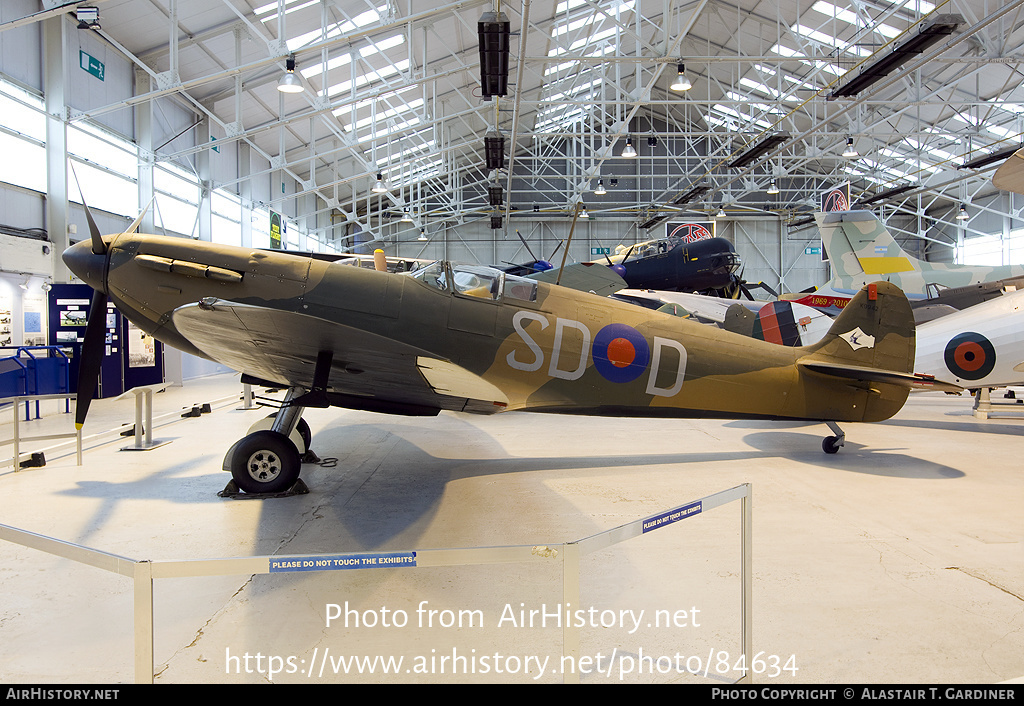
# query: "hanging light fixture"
{"points": [[629, 150], [600, 191], [380, 187], [962, 216], [773, 187], [406, 216], [290, 83], [423, 234], [721, 212], [681, 83], [584, 214], [494, 150], [493, 32], [850, 151]]}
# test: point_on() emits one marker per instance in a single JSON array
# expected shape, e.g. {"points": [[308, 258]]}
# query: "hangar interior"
{"points": [[897, 561]]}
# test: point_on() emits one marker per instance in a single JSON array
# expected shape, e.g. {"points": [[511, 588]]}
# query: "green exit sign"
{"points": [[600, 251], [91, 64]]}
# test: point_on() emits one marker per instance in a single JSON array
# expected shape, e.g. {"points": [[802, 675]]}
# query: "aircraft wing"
{"points": [[1010, 175], [368, 371], [585, 277]]}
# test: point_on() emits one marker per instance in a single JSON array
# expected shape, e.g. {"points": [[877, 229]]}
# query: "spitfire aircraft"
{"points": [[471, 338], [862, 250]]}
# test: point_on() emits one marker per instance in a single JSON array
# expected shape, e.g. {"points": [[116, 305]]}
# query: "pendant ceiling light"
{"points": [[290, 83], [682, 83], [850, 151]]}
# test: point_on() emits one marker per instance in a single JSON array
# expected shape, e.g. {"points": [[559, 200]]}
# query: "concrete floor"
{"points": [[898, 560]]}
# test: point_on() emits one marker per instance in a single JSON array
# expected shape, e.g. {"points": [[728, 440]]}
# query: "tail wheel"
{"points": [[265, 462], [830, 444]]}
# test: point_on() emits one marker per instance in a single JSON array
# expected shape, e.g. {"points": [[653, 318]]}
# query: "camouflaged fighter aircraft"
{"points": [[861, 250], [471, 339]]}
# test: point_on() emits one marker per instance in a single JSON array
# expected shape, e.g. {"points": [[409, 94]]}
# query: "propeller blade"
{"points": [[557, 248], [98, 247], [527, 246], [92, 356], [135, 224]]}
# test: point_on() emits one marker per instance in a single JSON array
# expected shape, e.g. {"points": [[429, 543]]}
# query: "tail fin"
{"points": [[872, 344], [875, 330], [857, 242]]}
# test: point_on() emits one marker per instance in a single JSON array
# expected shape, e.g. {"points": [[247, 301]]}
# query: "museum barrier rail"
{"points": [[569, 554], [19, 439], [34, 370]]}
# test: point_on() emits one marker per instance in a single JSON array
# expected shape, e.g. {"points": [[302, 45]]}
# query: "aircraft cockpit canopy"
{"points": [[476, 281]]}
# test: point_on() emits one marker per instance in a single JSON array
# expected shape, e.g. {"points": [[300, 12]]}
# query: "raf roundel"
{"points": [[970, 356], [620, 353]]}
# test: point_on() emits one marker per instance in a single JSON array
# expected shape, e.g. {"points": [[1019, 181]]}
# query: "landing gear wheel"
{"points": [[830, 444], [265, 462]]}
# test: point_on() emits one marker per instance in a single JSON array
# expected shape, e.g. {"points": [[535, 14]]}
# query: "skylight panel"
{"points": [[362, 20], [762, 107], [346, 58], [269, 11], [830, 10], [768, 90], [570, 5], [410, 151], [783, 50], [829, 40], [1001, 131], [741, 117], [372, 75], [935, 152], [573, 4], [572, 26], [566, 117], [593, 38], [377, 121], [919, 6]]}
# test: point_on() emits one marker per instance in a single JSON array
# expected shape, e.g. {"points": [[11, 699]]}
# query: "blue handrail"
{"points": [[36, 374]]}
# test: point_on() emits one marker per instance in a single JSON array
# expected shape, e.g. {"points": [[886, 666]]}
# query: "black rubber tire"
{"points": [[265, 462], [830, 444]]}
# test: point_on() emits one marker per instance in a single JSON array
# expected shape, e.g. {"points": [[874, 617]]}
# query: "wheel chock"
{"points": [[231, 491]]}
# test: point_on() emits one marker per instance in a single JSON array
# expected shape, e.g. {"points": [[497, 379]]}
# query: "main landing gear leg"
{"points": [[831, 444], [267, 461]]}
